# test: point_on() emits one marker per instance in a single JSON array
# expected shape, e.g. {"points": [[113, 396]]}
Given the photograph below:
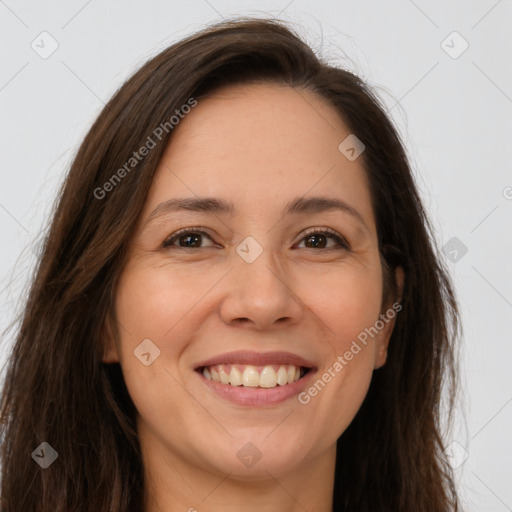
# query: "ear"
{"points": [[388, 319], [110, 353]]}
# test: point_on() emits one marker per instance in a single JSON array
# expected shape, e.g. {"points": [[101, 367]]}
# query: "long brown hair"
{"points": [[58, 391]]}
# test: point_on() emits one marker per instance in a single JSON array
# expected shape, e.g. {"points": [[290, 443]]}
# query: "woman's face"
{"points": [[253, 280]]}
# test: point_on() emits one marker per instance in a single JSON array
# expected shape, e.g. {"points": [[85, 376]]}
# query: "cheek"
{"points": [[151, 303], [157, 301], [346, 307], [346, 300]]}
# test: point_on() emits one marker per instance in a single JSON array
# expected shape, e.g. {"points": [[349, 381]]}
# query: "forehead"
{"points": [[260, 144], [263, 123]]}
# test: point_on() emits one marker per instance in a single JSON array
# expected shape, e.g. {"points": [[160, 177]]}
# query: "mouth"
{"points": [[251, 376], [256, 379]]}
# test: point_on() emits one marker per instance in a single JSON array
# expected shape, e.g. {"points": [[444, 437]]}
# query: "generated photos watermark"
{"points": [[151, 143], [343, 359]]}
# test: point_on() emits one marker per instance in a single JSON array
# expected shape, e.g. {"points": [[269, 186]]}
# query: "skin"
{"points": [[260, 146]]}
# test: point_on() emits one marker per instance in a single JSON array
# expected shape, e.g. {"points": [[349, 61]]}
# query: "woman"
{"points": [[239, 304]]}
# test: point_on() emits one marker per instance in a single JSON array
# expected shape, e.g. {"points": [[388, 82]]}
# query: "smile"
{"points": [[268, 376], [257, 379]]}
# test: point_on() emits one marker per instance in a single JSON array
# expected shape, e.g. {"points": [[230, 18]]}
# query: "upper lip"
{"points": [[257, 359]]}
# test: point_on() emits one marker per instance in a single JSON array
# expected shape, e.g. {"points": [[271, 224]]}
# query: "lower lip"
{"points": [[258, 397]]}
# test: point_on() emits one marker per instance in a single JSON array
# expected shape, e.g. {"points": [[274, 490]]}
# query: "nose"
{"points": [[260, 294]]}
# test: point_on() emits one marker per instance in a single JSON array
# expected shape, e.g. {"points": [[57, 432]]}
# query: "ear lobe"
{"points": [[382, 342], [110, 354], [381, 358]]}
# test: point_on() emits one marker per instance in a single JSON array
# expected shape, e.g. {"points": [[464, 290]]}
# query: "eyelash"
{"points": [[313, 231]]}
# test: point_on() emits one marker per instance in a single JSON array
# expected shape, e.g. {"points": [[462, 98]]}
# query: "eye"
{"points": [[317, 236], [191, 238]]}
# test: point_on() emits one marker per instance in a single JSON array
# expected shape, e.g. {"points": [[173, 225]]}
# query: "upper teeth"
{"points": [[248, 375]]}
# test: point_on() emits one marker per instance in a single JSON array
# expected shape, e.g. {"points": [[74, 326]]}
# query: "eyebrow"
{"points": [[299, 205]]}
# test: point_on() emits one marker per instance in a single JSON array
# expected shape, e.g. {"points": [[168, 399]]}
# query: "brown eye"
{"points": [[187, 239], [190, 238], [318, 239]]}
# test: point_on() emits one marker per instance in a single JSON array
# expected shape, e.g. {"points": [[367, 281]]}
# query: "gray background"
{"points": [[453, 108]]}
